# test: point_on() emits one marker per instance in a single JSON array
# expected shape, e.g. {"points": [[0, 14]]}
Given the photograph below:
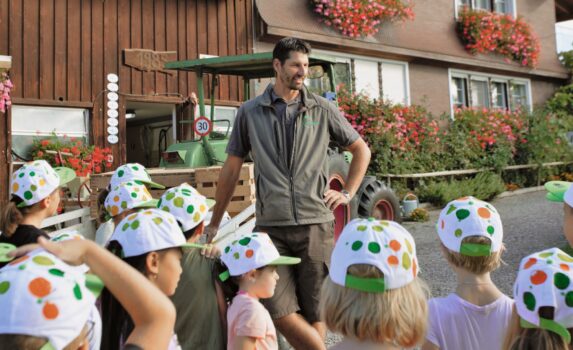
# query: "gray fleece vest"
{"points": [[290, 193]]}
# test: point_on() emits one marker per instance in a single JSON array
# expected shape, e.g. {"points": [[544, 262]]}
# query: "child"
{"points": [[373, 295], [46, 303], [561, 191], [131, 172], [251, 262], [151, 242], [543, 315], [200, 305], [35, 191], [471, 235], [125, 199]]}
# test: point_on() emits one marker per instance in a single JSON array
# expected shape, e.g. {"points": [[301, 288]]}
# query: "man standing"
{"points": [[287, 130]]}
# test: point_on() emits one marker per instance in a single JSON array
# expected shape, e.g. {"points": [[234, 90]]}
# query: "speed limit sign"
{"points": [[202, 126]]}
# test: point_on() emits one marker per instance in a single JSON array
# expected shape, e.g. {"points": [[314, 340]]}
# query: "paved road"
{"points": [[530, 224]]}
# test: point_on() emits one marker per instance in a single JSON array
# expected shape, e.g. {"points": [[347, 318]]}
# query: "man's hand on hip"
{"points": [[334, 198]]}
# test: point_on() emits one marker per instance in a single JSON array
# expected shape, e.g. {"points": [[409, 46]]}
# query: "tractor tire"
{"points": [[379, 201], [337, 176]]}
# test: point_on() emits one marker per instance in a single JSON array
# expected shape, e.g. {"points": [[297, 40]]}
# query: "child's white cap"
{"points": [[36, 180], [128, 195], [385, 245], [560, 191], [187, 205], [42, 296], [545, 279], [148, 231], [252, 251], [69, 235], [469, 216], [132, 172]]}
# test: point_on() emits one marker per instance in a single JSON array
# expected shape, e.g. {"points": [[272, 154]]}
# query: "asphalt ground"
{"points": [[530, 224]]}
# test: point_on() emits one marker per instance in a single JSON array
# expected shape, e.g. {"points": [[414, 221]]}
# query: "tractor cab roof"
{"points": [[249, 66]]}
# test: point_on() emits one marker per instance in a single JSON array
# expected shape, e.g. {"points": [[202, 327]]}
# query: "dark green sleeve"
{"points": [[340, 129], [239, 144]]}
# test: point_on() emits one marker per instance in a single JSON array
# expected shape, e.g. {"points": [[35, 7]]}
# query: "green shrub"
{"points": [[483, 186]]}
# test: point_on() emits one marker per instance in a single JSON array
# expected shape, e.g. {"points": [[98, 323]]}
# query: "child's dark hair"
{"points": [[116, 322], [230, 286], [189, 233], [285, 46], [102, 214], [12, 216]]}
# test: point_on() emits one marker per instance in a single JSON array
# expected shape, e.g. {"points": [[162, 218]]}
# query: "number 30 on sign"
{"points": [[202, 126]]}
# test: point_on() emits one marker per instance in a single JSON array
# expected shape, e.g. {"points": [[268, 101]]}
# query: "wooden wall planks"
{"points": [[62, 51]]}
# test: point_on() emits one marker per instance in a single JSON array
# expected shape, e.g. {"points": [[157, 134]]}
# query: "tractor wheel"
{"points": [[380, 202], [338, 173]]}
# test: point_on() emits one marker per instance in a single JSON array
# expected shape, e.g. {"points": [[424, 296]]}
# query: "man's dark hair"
{"points": [[284, 47]]}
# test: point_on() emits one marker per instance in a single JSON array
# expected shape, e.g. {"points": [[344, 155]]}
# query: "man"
{"points": [[287, 130]]}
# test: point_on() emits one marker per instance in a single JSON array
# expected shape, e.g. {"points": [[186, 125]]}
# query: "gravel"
{"points": [[530, 224]]}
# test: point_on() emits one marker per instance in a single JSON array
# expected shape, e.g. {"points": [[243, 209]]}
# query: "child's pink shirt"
{"points": [[247, 317]]}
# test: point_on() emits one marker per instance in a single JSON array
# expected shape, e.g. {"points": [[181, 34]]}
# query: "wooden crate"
{"points": [[203, 179]]}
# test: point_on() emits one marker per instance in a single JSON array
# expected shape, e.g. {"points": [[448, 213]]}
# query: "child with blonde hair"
{"points": [[251, 263], [477, 314], [373, 296], [543, 293], [150, 241], [46, 299], [35, 196]]}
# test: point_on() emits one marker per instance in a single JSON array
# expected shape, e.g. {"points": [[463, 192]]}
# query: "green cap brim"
{"points": [[154, 185], [149, 204], [556, 190], [194, 246], [66, 174], [6, 248], [94, 284], [210, 203], [475, 249], [285, 260], [549, 325], [369, 285]]}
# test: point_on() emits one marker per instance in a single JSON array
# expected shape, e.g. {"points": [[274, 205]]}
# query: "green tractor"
{"points": [[373, 199]]}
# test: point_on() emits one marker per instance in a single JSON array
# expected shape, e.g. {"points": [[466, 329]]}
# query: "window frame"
{"points": [[347, 58], [490, 78], [512, 7], [86, 135]]}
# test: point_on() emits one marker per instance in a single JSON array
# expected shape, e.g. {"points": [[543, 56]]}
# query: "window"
{"points": [[366, 78], [479, 93], [518, 95], [30, 122], [341, 76], [479, 90], [500, 6], [376, 78], [222, 113], [459, 92], [385, 79], [499, 95]]}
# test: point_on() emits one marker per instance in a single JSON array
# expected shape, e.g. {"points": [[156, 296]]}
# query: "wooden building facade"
{"points": [[63, 50]]}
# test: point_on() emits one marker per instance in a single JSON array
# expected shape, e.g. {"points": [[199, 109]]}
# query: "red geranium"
{"points": [[490, 32], [84, 159], [356, 18]]}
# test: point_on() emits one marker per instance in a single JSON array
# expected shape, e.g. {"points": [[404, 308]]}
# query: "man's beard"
{"points": [[292, 84]]}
